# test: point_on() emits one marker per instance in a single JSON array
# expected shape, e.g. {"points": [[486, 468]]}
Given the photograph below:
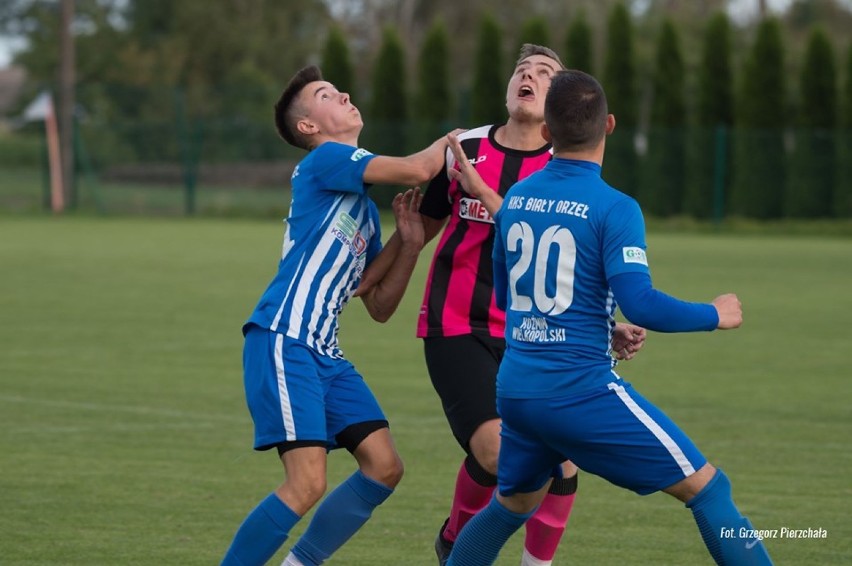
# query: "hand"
{"points": [[466, 173], [730, 311], [627, 339], [409, 224]]}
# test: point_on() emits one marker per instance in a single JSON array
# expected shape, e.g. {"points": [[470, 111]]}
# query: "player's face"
{"points": [[330, 110], [528, 87]]}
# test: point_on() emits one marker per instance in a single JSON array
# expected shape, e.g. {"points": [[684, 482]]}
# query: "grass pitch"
{"points": [[124, 437]]}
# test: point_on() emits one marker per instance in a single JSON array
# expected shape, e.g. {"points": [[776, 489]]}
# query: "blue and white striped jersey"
{"points": [[332, 234]]}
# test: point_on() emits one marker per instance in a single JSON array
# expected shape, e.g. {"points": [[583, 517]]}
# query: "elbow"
{"points": [[637, 317], [421, 173], [381, 316]]}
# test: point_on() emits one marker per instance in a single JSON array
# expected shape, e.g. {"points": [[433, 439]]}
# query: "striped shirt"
{"points": [[459, 297], [332, 234]]}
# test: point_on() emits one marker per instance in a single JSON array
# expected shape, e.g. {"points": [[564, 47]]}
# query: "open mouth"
{"points": [[526, 93]]}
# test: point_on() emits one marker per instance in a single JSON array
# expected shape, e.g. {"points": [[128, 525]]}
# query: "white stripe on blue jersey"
{"points": [[283, 392], [656, 429]]}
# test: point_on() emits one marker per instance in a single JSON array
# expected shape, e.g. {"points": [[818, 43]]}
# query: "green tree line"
{"points": [[740, 130]]}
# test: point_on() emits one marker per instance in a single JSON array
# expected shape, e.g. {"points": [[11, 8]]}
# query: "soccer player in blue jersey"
{"points": [[569, 249], [304, 397]]}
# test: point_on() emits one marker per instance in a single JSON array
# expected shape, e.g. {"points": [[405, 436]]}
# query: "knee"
{"points": [[485, 448], [302, 492], [387, 470], [312, 488]]}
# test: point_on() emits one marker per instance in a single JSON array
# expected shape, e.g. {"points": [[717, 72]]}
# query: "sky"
{"points": [[739, 9]]}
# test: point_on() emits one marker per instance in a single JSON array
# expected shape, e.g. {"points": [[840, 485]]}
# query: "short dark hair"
{"points": [[530, 49], [287, 114], [575, 111]]}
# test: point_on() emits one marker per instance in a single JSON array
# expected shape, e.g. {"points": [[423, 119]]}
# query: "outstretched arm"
{"points": [[383, 297], [415, 169], [655, 310]]}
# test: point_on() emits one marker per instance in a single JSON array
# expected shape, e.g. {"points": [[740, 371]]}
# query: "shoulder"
{"points": [[475, 133]]}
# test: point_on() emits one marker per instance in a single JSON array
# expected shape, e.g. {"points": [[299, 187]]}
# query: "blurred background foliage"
{"points": [[723, 107]]}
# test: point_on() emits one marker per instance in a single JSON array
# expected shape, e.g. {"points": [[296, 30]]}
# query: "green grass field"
{"points": [[124, 437]]}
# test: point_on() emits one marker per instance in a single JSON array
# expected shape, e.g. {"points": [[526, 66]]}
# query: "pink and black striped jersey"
{"points": [[459, 297]]}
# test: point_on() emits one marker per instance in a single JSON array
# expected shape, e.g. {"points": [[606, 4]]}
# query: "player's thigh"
{"points": [[621, 436], [463, 370], [283, 390], [352, 411], [526, 462]]}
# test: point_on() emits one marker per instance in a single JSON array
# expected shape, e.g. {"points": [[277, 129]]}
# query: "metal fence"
{"points": [[241, 168]]}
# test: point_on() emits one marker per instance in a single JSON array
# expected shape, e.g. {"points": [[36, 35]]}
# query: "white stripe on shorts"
{"points": [[662, 436], [283, 394]]}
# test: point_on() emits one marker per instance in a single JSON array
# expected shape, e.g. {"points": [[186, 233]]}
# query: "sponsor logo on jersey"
{"points": [[346, 230], [635, 255], [473, 209], [359, 154]]}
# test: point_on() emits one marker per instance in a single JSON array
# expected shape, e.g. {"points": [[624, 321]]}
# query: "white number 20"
{"points": [[536, 254]]}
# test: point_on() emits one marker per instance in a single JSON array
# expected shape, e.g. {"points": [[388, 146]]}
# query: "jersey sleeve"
{"points": [[340, 168], [655, 310], [436, 202], [623, 241]]}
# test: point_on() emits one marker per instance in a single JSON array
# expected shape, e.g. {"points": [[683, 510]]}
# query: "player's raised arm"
{"points": [[466, 174], [384, 296], [415, 169]]}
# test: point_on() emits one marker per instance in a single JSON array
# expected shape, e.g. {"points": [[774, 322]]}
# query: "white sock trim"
{"points": [[291, 560], [529, 560]]}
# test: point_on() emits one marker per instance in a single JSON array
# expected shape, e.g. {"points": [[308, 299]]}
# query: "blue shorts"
{"points": [[295, 394], [612, 432]]}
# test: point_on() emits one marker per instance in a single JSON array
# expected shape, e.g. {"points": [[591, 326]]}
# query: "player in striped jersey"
{"points": [[304, 397], [462, 327], [568, 251]]}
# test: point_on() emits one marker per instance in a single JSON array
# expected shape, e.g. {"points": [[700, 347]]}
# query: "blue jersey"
{"points": [[332, 234], [562, 232]]}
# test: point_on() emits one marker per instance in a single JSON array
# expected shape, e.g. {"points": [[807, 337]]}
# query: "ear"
{"points": [[307, 127], [610, 124], [545, 133]]}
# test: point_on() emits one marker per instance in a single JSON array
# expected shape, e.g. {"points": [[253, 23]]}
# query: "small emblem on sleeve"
{"points": [[635, 255], [359, 154]]}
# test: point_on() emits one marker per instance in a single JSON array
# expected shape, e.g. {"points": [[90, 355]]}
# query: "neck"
{"points": [[595, 155], [524, 136]]}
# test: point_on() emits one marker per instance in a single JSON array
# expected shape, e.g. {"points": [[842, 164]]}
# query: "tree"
{"points": [[534, 30], [662, 190], [760, 161], [578, 44], [389, 104], [619, 84], [434, 99], [709, 153], [843, 194], [487, 105], [811, 188], [336, 65]]}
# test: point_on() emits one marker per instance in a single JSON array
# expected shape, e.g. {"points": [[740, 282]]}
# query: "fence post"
{"points": [[719, 174], [185, 143]]}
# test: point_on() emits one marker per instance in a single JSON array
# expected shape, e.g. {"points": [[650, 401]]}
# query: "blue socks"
{"points": [[339, 516], [483, 536], [262, 533], [727, 534]]}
